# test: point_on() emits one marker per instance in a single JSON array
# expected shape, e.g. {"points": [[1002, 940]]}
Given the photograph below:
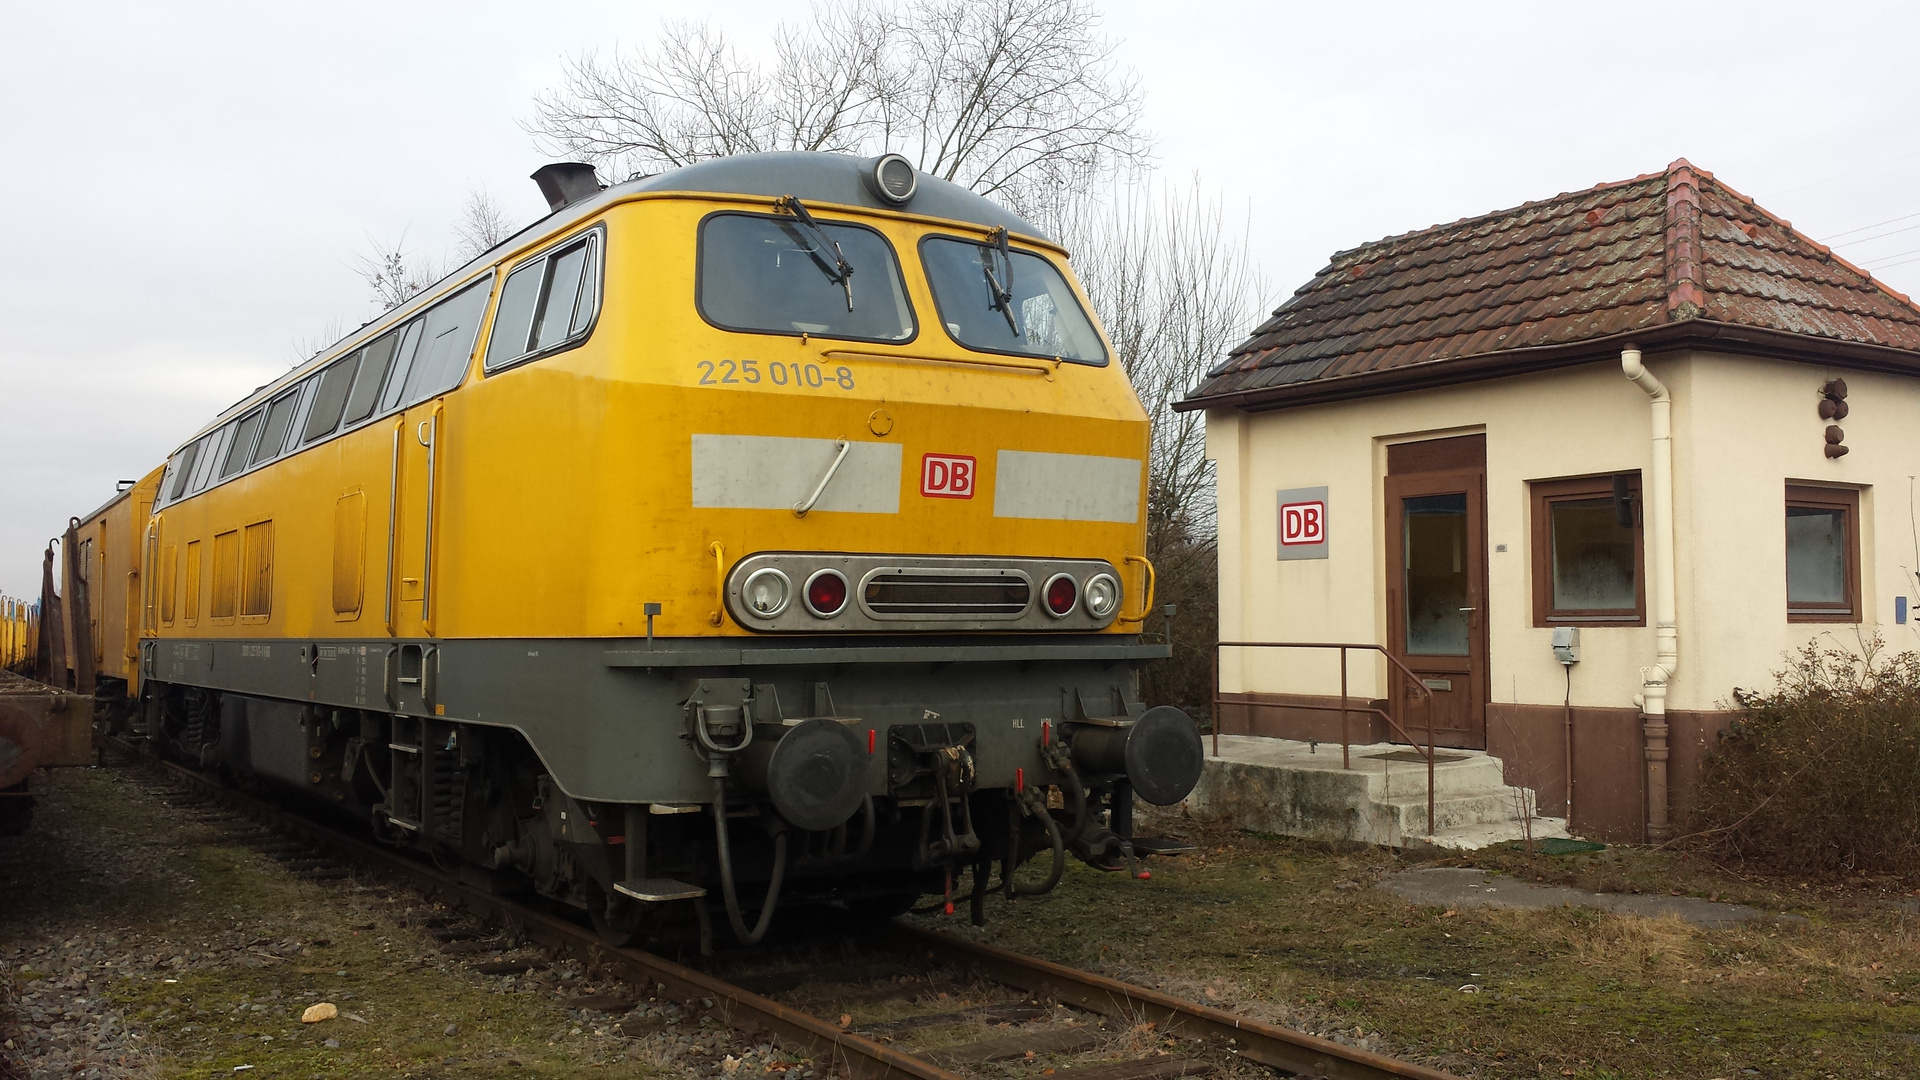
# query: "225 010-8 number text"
{"points": [[778, 373]]}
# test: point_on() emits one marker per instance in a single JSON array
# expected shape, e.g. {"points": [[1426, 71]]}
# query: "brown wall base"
{"points": [[1609, 761]]}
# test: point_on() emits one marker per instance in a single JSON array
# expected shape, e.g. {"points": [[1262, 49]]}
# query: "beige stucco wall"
{"points": [[1743, 427]]}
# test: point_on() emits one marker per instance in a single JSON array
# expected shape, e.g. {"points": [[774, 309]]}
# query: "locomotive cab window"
{"points": [[772, 274], [1004, 300], [547, 304]]}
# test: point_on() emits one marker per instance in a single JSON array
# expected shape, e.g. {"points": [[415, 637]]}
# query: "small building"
{"points": [[1649, 421]]}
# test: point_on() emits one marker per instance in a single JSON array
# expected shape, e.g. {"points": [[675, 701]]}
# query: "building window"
{"points": [[1589, 564], [1823, 554]]}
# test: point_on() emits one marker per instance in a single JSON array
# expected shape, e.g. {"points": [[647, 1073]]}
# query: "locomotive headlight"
{"points": [[1102, 597], [893, 178], [767, 592]]}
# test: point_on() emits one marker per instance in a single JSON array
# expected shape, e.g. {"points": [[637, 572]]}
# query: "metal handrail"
{"points": [[1345, 708]]}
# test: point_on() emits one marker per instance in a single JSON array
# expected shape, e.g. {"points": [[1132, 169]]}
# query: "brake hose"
{"points": [[727, 892]]}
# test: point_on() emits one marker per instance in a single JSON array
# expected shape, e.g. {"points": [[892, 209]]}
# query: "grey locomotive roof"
{"points": [[834, 178], [809, 176]]}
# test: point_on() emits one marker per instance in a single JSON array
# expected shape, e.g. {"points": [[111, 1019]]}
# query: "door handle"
{"points": [[1469, 609]]}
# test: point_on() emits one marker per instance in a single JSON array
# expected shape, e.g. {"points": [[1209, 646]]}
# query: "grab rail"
{"points": [[1344, 708]]}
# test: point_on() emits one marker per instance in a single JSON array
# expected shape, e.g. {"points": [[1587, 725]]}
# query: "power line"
{"points": [[1878, 236], [1864, 228], [1895, 255]]}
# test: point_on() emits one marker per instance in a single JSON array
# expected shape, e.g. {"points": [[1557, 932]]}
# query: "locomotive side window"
{"points": [[446, 343], [771, 275], [273, 437], [331, 399], [210, 453], [182, 470], [546, 304], [242, 445], [993, 299], [402, 363], [373, 373]]}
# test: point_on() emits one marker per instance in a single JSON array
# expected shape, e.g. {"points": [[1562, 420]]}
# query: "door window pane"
{"points": [[1436, 575], [589, 300], [402, 364], [1593, 557], [1816, 556], [512, 321], [556, 308]]}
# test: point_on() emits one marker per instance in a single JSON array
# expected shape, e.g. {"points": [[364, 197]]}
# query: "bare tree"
{"points": [[393, 273], [310, 346], [482, 223], [1019, 99], [1176, 287], [1004, 96]]}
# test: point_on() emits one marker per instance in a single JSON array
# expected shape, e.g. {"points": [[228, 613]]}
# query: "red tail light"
{"points": [[1062, 594], [826, 593]]}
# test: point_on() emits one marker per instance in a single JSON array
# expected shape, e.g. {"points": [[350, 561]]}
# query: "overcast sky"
{"points": [[185, 186]]}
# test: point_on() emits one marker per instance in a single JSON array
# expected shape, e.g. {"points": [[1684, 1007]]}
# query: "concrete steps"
{"points": [[1298, 789]]}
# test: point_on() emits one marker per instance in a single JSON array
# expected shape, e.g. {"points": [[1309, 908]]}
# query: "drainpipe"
{"points": [[1666, 636]]}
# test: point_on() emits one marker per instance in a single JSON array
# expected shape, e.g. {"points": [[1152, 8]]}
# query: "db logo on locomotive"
{"points": [[946, 476]]}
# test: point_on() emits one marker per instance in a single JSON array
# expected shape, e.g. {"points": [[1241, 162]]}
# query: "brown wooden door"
{"points": [[1436, 600]]}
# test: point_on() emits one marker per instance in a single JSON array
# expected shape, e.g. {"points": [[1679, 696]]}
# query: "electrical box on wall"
{"points": [[1566, 644]]}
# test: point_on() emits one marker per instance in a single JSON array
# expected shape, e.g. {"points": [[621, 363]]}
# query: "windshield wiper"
{"points": [[837, 268], [1002, 295]]}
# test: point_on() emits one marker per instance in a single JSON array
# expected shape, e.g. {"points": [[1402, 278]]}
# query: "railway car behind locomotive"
{"points": [[770, 529]]}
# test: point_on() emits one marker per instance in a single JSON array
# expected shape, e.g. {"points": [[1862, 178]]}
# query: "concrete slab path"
{"points": [[1456, 887]]}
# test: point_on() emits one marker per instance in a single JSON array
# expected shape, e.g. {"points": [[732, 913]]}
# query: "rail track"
{"points": [[1205, 1040]]}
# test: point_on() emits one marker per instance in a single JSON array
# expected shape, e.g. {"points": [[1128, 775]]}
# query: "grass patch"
{"points": [[1293, 932]]}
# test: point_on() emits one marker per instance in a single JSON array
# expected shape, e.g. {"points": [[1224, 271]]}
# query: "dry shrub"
{"points": [[1822, 775]]}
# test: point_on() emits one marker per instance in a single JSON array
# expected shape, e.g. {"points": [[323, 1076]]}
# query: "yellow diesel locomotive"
{"points": [[770, 529]]}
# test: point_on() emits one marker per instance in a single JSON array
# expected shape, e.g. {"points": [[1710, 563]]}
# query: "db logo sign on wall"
{"points": [[1303, 523], [946, 476]]}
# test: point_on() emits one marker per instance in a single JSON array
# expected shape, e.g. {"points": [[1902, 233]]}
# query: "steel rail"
{"points": [[837, 1052], [1282, 1048]]}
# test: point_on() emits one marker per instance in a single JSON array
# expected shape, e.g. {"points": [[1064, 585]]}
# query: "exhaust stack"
{"points": [[566, 182]]}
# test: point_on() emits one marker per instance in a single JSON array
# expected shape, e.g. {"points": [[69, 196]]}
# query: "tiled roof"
{"points": [[1637, 258]]}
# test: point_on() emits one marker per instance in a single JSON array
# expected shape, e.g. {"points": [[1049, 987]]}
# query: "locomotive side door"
{"points": [[416, 435]]}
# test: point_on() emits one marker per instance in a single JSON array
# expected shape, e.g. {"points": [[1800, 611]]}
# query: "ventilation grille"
{"points": [[960, 595]]}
